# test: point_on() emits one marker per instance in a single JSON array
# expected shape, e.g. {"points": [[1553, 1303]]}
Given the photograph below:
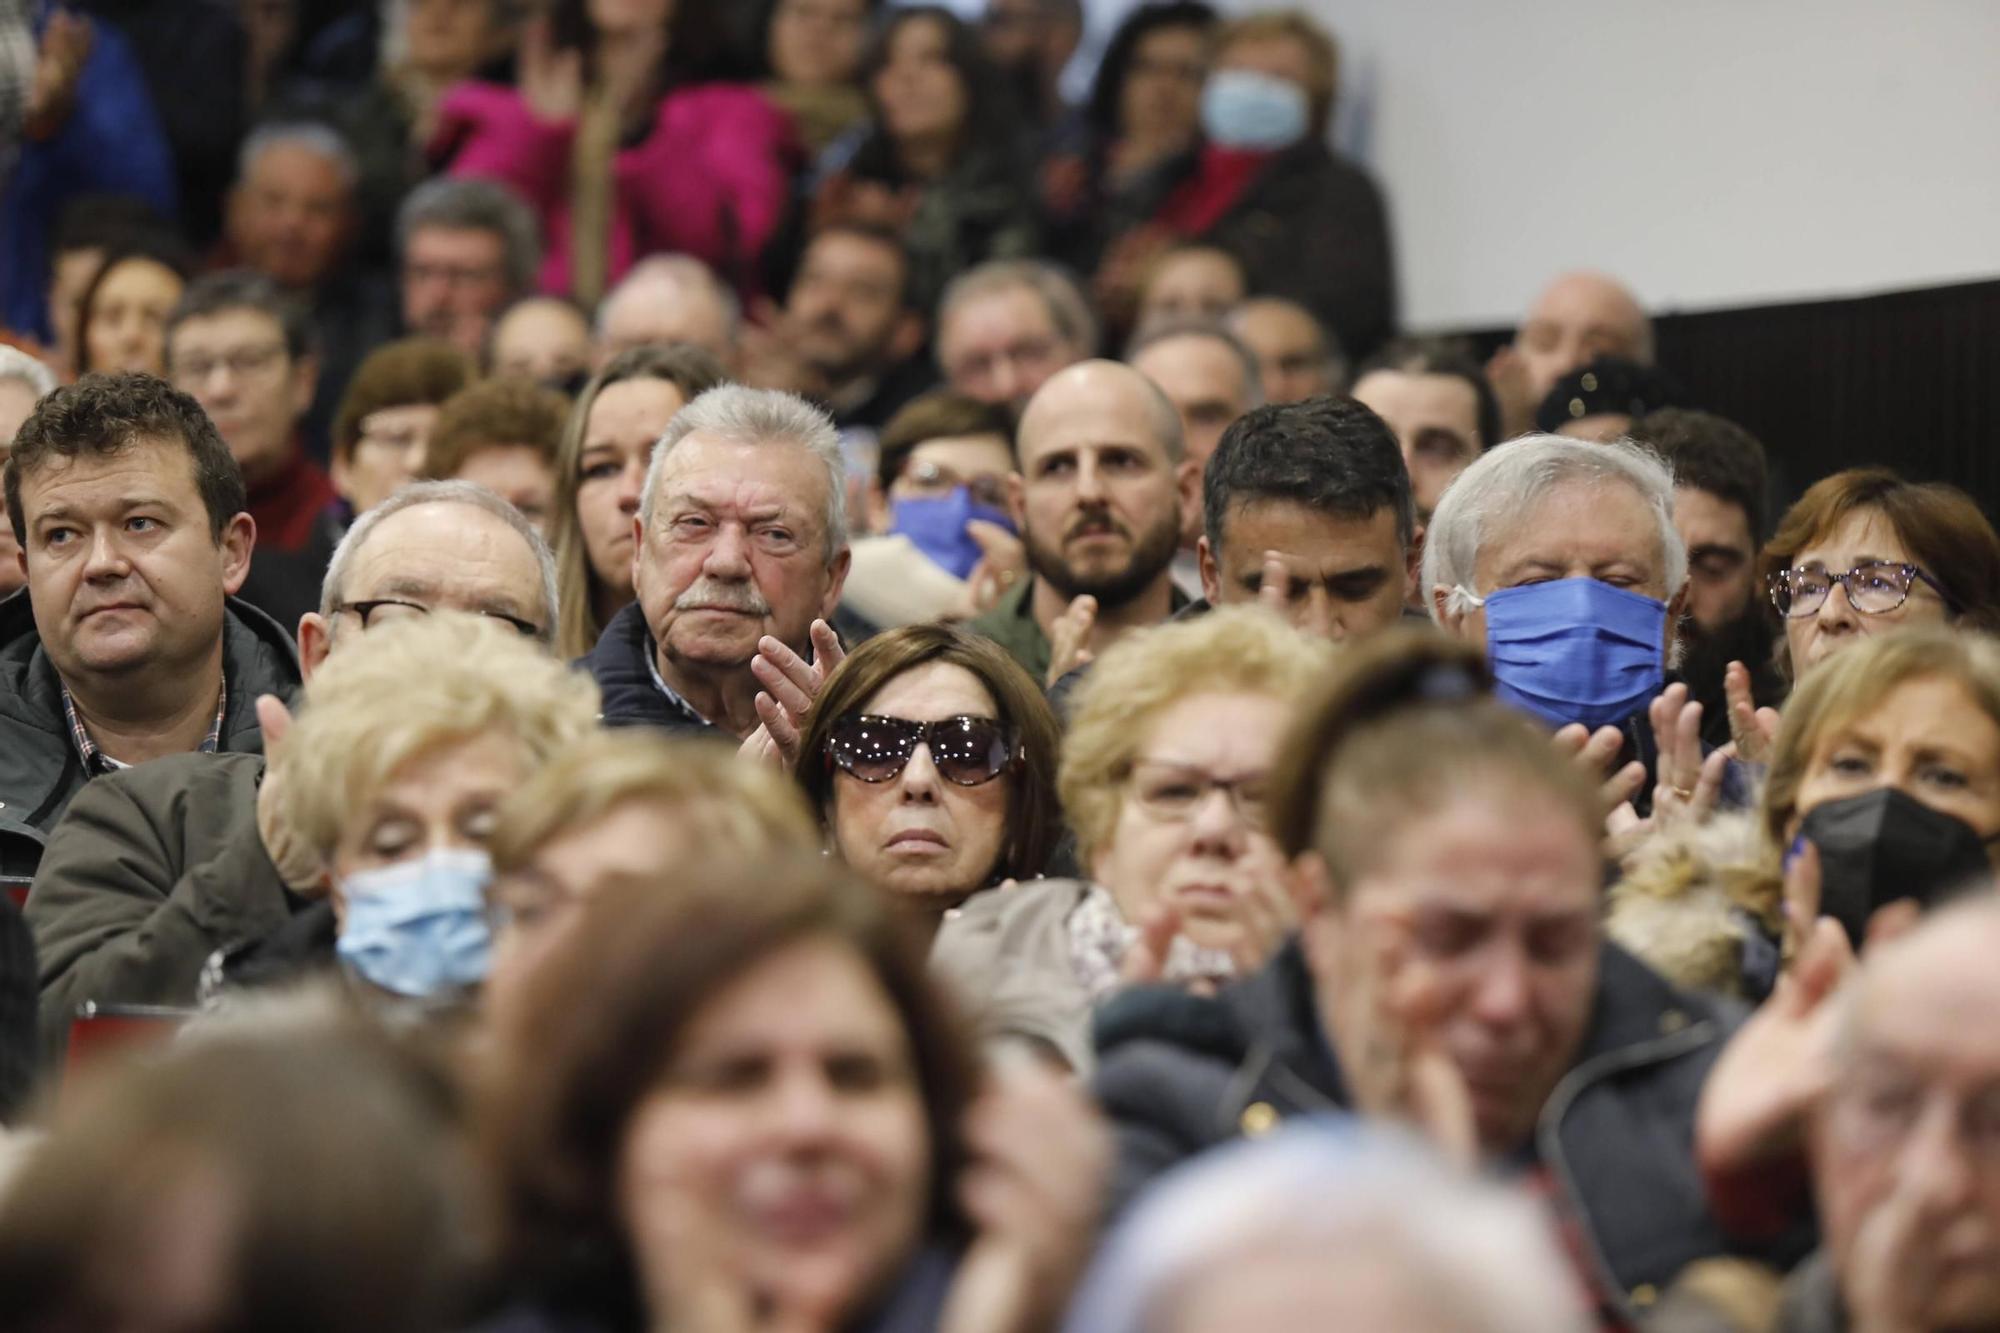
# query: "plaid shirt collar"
{"points": [[674, 699], [95, 761]]}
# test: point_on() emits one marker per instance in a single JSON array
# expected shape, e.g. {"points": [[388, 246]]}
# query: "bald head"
{"points": [[668, 299], [1578, 317], [1098, 388]]}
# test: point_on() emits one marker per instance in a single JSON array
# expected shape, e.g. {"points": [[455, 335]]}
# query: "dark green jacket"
{"points": [[40, 770], [1011, 624]]}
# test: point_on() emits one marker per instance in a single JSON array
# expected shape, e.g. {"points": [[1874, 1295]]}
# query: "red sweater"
{"points": [[287, 506]]}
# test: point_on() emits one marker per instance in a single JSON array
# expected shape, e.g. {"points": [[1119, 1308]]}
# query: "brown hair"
{"points": [[492, 414], [607, 1010], [1939, 525], [404, 373], [1034, 817], [939, 415], [1407, 719], [689, 369], [1322, 54]]}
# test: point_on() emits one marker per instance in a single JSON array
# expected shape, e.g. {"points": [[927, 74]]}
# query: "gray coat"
{"points": [[1006, 954]]}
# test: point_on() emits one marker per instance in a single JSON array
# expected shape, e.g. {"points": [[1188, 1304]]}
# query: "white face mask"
{"points": [[1241, 108]]}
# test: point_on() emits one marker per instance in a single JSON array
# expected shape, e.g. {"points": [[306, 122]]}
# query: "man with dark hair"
{"points": [[1435, 397], [1720, 484], [130, 515], [1307, 506], [468, 247]]}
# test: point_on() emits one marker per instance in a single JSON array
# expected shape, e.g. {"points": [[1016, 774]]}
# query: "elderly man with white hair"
{"points": [[24, 382]]}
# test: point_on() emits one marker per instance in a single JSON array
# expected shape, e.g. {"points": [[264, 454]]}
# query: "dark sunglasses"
{"points": [[966, 750]]}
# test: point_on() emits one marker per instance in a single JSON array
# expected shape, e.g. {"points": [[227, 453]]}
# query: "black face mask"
{"points": [[1885, 845]]}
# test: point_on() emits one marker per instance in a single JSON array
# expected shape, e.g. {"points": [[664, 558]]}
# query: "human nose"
{"points": [[1216, 824], [1837, 613], [1006, 378], [1502, 995], [106, 558], [729, 555], [919, 780], [802, 1105], [1935, 1162], [1089, 482], [632, 486]]}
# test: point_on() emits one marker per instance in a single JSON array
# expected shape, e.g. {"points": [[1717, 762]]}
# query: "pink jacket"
{"points": [[711, 180]]}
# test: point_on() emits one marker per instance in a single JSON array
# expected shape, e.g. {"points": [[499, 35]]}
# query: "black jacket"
{"points": [[17, 1011], [40, 770], [1178, 1075], [620, 664]]}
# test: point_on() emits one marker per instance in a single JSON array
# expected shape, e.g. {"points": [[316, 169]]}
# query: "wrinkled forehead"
{"points": [[447, 551], [1584, 521], [1914, 1001], [729, 474]]}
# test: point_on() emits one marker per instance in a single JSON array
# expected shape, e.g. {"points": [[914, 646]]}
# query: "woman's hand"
{"points": [[790, 685], [551, 80], [1753, 731]]}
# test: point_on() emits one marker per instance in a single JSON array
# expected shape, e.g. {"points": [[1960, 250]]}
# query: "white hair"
{"points": [[1477, 1251], [1503, 487], [308, 134], [437, 493], [678, 273], [16, 364], [738, 414]]}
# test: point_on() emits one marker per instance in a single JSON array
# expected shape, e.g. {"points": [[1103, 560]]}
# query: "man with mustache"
{"points": [[1102, 490], [130, 645], [740, 553]]}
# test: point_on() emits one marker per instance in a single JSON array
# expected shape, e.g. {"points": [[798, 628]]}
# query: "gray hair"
{"points": [[16, 364], [436, 493], [475, 205], [738, 414], [1505, 482], [1246, 360], [1068, 310], [1475, 1251], [308, 134], [679, 271]]}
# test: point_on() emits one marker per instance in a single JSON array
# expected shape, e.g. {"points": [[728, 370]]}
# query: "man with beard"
{"points": [[1719, 488], [847, 335], [1100, 494]]}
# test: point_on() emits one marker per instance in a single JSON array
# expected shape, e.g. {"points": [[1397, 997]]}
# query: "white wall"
{"points": [[1712, 152]]}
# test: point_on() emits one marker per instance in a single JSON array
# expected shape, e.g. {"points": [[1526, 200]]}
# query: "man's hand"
{"points": [[1594, 752], [1003, 562], [1313, 614], [1069, 638], [299, 866], [1689, 783], [790, 685]]}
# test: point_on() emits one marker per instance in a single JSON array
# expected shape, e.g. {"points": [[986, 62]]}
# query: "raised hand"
{"points": [[299, 866], [1003, 562], [551, 81], [1753, 731], [1594, 752], [790, 685], [1311, 614], [1069, 638]]}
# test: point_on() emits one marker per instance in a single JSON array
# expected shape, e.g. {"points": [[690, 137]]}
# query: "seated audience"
{"points": [[1180, 886], [740, 549], [601, 476], [1600, 399], [503, 435], [1295, 353], [1325, 1227], [1901, 553], [1209, 377], [19, 1020], [710, 1056], [121, 322], [1449, 969], [1005, 327], [155, 869], [467, 248], [624, 147], [130, 644], [1436, 400], [943, 164], [1189, 282], [382, 437], [24, 382], [541, 338], [1306, 509], [930, 758], [89, 229], [1577, 317], [668, 299], [810, 52]]}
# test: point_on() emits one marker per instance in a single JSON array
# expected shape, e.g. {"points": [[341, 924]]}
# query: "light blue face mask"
{"points": [[1575, 650], [1241, 108], [418, 928]]}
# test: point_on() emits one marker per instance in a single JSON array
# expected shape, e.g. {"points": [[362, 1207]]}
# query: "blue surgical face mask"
{"points": [[1575, 650], [1241, 108], [418, 928], [936, 525]]}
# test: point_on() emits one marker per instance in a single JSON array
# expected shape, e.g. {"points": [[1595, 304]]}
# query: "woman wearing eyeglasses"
{"points": [[1163, 777]]}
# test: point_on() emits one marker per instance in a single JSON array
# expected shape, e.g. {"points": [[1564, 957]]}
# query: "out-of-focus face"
{"points": [[289, 217], [1865, 536], [1494, 895], [1906, 1146], [1207, 383], [520, 474], [1436, 420], [737, 549], [125, 577], [1011, 31], [630, 16], [544, 340], [789, 1130], [981, 463], [440, 799], [921, 96], [1191, 830], [664, 312], [388, 456], [17, 403], [1161, 99], [626, 420], [1722, 555], [1277, 55], [70, 276], [1290, 346], [449, 39], [1580, 317], [1349, 576], [128, 317], [1195, 283], [237, 367], [1301, 1288], [454, 283], [847, 303], [817, 43], [920, 835], [1003, 346]]}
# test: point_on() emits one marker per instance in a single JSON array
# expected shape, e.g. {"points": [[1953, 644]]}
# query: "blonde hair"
{"points": [[745, 808], [1322, 54], [1231, 650], [404, 689]]}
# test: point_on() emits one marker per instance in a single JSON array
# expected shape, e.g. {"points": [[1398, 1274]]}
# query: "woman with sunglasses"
{"points": [[930, 758]]}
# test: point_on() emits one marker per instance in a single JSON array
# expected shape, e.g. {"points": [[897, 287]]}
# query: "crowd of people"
{"points": [[681, 666]]}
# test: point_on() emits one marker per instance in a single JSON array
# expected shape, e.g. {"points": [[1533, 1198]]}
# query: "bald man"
{"points": [[668, 299], [1101, 491], [1578, 316]]}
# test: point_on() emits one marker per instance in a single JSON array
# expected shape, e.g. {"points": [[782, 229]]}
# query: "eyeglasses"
{"points": [[389, 610], [1171, 793], [451, 275], [1872, 589], [932, 478], [968, 751], [242, 362]]}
